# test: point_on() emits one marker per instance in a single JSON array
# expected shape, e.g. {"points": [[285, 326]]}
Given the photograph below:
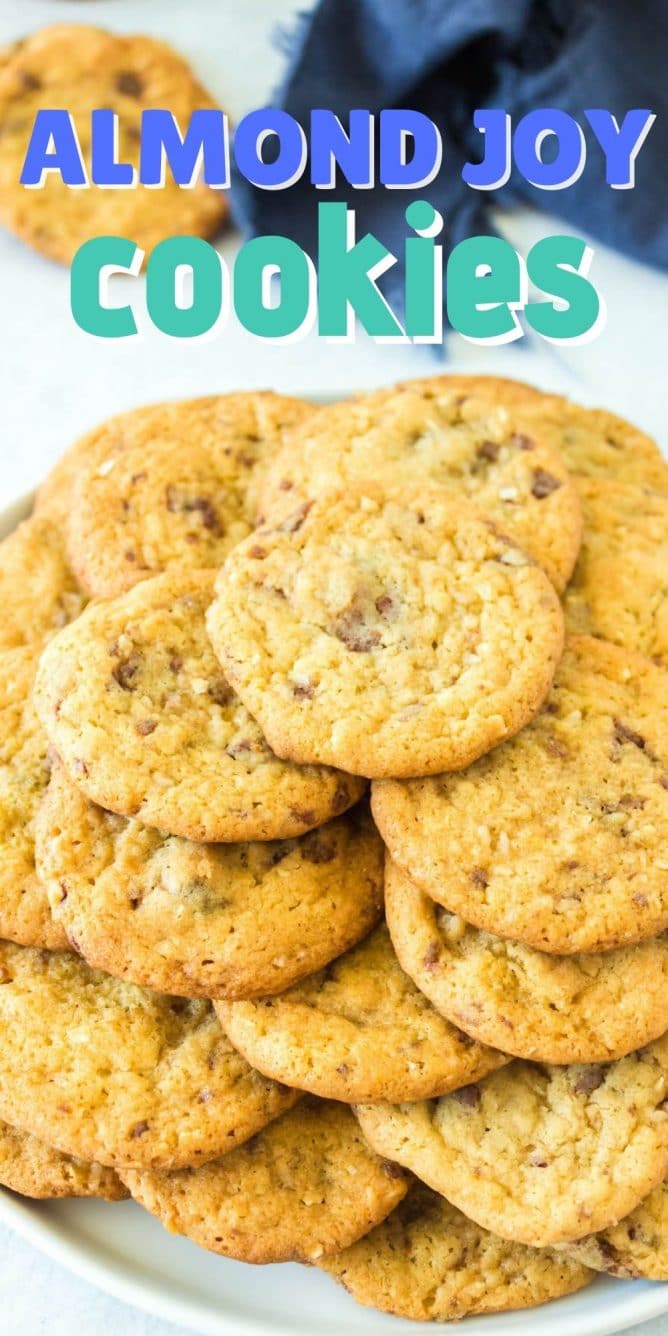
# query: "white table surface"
{"points": [[56, 382]]}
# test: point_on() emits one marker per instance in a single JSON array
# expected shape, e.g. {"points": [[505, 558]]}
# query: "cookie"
{"points": [[109, 1072], [419, 435], [387, 636], [173, 486], [38, 591], [591, 441], [213, 920], [543, 1154], [25, 916], [583, 1008], [358, 1030], [558, 838], [637, 1246], [135, 703], [619, 589], [33, 1169], [305, 1187], [82, 68], [428, 1263]]}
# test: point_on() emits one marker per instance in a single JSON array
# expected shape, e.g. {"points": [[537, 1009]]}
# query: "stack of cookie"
{"points": [[420, 1044]]}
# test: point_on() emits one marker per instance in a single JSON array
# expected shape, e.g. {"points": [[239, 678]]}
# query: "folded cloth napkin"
{"points": [[448, 57]]}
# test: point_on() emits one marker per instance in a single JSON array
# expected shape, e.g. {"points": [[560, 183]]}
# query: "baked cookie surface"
{"points": [[33, 1169], [619, 590], [358, 1030], [109, 1072], [82, 68], [581, 1008], [556, 838], [637, 1246], [306, 1186], [136, 678], [25, 916], [425, 434], [173, 485], [429, 1263], [388, 636], [545, 1154], [38, 592], [210, 920]]}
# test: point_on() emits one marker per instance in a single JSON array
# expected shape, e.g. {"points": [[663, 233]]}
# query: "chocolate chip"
{"points": [[431, 956], [145, 726], [317, 849], [303, 691], [623, 733], [139, 1129], [589, 1080], [522, 442], [351, 629], [126, 671], [285, 485], [543, 484], [538, 1160], [487, 450], [294, 522], [219, 690], [204, 1097], [393, 1170], [129, 83], [259, 553], [176, 664], [304, 815], [344, 1069], [29, 80], [479, 877], [341, 799], [663, 781], [555, 747], [384, 604], [210, 518], [468, 1095], [238, 748]]}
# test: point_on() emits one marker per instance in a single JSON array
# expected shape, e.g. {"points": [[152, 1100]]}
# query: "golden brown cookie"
{"points": [[82, 68], [429, 1263], [33, 1169], [25, 916], [109, 1072], [544, 1154], [391, 636], [558, 838], [581, 1008], [637, 1246], [591, 441], [173, 486], [210, 920], [135, 703], [419, 435], [620, 590], [358, 1030], [38, 592], [305, 1187]]}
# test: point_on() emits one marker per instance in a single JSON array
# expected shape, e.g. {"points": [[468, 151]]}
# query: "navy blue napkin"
{"points": [[447, 57]]}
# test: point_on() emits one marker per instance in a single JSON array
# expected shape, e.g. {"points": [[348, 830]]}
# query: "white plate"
{"points": [[126, 1252]]}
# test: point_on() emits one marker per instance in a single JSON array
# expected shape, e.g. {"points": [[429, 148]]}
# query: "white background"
{"points": [[56, 382]]}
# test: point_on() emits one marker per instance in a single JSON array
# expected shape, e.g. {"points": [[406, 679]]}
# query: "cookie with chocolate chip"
{"points": [[135, 703], [427, 1262], [358, 1030], [106, 1071], [636, 1247], [558, 838], [305, 1187], [33, 1169], [82, 68], [619, 589], [209, 920], [580, 1008], [172, 486], [542, 1154], [390, 635], [426, 434]]}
